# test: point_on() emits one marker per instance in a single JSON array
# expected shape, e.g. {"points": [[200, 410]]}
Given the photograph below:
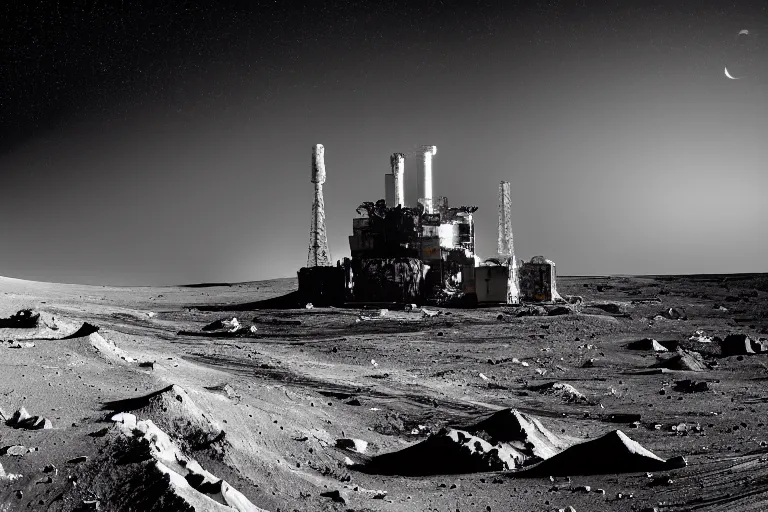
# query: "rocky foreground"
{"points": [[642, 393]]}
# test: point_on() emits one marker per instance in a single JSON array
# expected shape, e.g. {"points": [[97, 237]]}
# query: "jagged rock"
{"points": [[38, 423], [683, 360], [126, 418], [647, 344], [506, 440], [355, 445], [225, 389], [20, 415], [740, 345]]}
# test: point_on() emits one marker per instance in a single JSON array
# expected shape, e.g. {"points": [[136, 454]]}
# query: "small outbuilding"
{"points": [[537, 280]]}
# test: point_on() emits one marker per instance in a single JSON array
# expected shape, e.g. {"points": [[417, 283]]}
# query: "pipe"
{"points": [[427, 153], [397, 162]]}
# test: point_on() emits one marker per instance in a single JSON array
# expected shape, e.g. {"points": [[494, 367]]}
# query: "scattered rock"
{"points": [[691, 386], [22, 419], [336, 495], [15, 450], [700, 337], [674, 314], [565, 391], [78, 460], [531, 311]]}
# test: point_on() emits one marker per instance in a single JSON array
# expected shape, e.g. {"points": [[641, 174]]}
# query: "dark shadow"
{"points": [[205, 285], [132, 404], [23, 319], [85, 330], [291, 300]]}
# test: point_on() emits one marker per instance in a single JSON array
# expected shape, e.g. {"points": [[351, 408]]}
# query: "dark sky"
{"points": [[152, 142]]}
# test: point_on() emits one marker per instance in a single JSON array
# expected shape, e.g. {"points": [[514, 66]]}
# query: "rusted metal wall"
{"points": [[537, 280], [492, 283], [387, 279]]}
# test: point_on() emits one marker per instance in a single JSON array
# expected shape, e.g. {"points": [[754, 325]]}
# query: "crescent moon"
{"points": [[729, 75]]}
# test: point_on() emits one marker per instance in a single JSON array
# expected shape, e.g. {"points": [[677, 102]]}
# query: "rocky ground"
{"points": [[134, 399]]}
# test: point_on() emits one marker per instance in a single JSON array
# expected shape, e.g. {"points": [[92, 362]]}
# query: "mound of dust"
{"points": [[449, 451], [647, 344], [173, 410], [683, 360], [108, 349], [611, 454], [37, 325], [565, 391], [141, 468], [197, 487], [522, 432], [506, 440]]}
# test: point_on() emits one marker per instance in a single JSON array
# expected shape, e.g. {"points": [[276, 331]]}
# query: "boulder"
{"points": [[740, 345], [683, 360]]}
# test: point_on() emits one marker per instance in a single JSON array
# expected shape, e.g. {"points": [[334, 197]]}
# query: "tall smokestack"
{"points": [[319, 254], [505, 245], [397, 162], [425, 188]]}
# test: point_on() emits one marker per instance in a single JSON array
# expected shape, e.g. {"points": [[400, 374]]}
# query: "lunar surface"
{"points": [[640, 393]]}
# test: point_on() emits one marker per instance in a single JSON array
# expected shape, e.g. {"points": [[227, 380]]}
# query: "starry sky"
{"points": [[154, 142]]}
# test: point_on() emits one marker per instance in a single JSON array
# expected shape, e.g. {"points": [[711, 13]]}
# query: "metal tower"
{"points": [[505, 245], [319, 254]]}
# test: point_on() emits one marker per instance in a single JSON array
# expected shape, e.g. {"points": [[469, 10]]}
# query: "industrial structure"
{"points": [[418, 254], [319, 254]]}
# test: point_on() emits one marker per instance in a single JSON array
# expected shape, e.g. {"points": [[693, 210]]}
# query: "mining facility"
{"points": [[421, 254]]}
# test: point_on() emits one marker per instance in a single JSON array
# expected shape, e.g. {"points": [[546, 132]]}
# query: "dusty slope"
{"points": [[295, 389]]}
